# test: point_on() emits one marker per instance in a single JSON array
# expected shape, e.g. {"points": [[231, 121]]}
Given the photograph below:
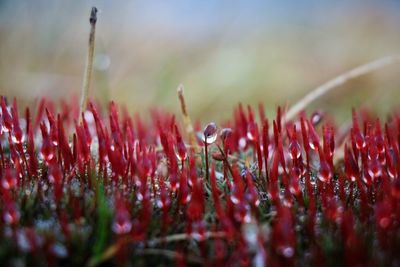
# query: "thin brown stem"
{"points": [[206, 158], [186, 118], [338, 81], [182, 237], [87, 77]]}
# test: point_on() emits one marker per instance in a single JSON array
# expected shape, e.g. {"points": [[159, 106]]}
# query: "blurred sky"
{"points": [[222, 51]]}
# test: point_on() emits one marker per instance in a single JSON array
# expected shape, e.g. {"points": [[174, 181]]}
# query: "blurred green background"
{"points": [[222, 51]]}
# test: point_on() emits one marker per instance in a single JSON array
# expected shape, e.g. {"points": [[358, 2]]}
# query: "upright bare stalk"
{"points": [[87, 77], [186, 119]]}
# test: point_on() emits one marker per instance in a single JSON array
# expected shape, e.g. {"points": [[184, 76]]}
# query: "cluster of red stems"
{"points": [[239, 194]]}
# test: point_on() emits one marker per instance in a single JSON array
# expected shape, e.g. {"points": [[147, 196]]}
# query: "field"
{"points": [[165, 144]]}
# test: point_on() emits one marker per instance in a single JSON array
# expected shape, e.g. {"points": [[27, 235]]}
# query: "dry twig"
{"points": [[338, 81], [186, 118], [87, 77]]}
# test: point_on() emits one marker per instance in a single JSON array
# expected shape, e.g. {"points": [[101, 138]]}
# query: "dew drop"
{"points": [[181, 152], [367, 178], [247, 218], [199, 231], [313, 144], [353, 178], [18, 139], [252, 134], [316, 117], [4, 129], [5, 184], [324, 174], [360, 141], [159, 203], [59, 250], [173, 181], [234, 199], [47, 156], [287, 251], [11, 216], [225, 133], [242, 143], [122, 226], [139, 196], [210, 133], [23, 242], [9, 180], [186, 199], [384, 222], [374, 170], [287, 202]]}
